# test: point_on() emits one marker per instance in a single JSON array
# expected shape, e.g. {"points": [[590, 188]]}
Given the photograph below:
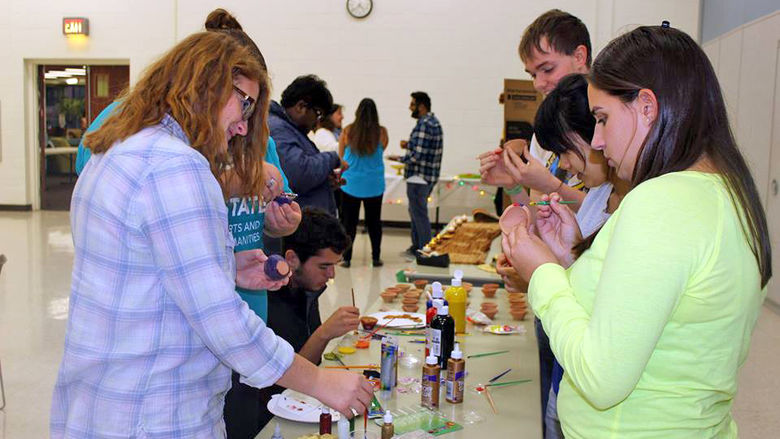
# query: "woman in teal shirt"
{"points": [[652, 323], [361, 145]]}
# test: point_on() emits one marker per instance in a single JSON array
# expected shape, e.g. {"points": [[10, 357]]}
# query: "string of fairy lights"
{"points": [[457, 183]]}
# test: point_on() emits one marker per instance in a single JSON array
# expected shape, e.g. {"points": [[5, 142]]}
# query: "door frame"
{"points": [[32, 116]]}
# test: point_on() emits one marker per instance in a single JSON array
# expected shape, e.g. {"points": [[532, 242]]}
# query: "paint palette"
{"points": [[296, 406]]}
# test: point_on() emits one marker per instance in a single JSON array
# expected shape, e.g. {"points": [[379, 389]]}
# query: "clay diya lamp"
{"points": [[402, 287], [489, 293], [409, 302], [276, 268], [412, 295], [489, 305], [363, 343], [393, 290], [420, 283], [490, 286], [517, 315], [410, 307], [368, 322], [511, 218], [387, 297], [468, 286], [490, 314]]}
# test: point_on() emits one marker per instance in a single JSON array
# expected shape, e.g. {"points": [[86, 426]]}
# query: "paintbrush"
{"points": [[499, 375], [507, 383], [486, 354], [547, 203]]}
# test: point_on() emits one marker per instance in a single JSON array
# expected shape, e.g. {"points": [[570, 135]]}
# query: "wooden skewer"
{"points": [[353, 297], [490, 400]]}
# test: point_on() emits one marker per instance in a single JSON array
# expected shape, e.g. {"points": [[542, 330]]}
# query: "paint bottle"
{"points": [[388, 373], [326, 421], [387, 428], [343, 427], [437, 303], [456, 372], [442, 336], [456, 296], [430, 382], [277, 432]]}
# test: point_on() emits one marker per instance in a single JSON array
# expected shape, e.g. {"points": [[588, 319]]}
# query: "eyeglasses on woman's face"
{"points": [[247, 103]]}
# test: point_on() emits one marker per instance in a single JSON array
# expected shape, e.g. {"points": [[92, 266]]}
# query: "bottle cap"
{"points": [[431, 360], [388, 417], [458, 279], [443, 310], [436, 288], [325, 410], [456, 353]]}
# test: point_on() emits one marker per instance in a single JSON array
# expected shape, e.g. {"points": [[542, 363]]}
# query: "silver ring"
{"points": [[271, 183]]}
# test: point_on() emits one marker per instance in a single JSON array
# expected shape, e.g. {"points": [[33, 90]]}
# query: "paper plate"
{"points": [[503, 329], [296, 406], [410, 319]]}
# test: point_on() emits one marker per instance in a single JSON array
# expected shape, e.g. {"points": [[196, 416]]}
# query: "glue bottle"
{"points": [[456, 296], [387, 428], [456, 372]]}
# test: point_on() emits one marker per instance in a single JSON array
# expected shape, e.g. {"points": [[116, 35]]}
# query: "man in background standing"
{"points": [[424, 150]]}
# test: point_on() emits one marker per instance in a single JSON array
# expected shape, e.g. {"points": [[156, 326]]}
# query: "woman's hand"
{"points": [[528, 171], [558, 228], [282, 219], [250, 272], [524, 250], [512, 281], [492, 169], [274, 184]]}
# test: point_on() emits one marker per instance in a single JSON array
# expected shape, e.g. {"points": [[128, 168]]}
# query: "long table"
{"points": [[519, 413]]}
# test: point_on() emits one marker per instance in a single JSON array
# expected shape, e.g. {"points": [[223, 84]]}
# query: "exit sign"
{"points": [[75, 26]]}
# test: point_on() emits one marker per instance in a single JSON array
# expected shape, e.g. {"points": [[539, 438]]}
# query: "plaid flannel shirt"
{"points": [[425, 149], [155, 325]]}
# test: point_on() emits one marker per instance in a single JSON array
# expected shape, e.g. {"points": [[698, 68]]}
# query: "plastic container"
{"points": [[430, 382], [456, 373], [442, 333]]}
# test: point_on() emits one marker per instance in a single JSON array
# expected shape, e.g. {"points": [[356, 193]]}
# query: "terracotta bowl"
{"points": [[468, 286], [368, 322], [393, 290], [415, 294], [515, 296], [518, 308], [420, 283], [517, 315], [489, 293], [489, 305], [388, 298], [411, 307], [490, 286], [403, 287], [517, 299], [491, 314], [409, 301]]}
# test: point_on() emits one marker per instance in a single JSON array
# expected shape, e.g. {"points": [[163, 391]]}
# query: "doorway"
{"points": [[69, 99]]}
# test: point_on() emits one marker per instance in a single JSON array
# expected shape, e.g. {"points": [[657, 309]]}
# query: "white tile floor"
{"points": [[35, 282]]}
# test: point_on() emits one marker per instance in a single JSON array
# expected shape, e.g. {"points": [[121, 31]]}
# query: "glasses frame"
{"points": [[248, 103]]}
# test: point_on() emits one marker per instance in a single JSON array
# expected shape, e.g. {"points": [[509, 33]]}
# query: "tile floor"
{"points": [[34, 287]]}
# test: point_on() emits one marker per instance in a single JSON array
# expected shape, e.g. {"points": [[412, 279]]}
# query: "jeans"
{"points": [[418, 194], [546, 360], [350, 209]]}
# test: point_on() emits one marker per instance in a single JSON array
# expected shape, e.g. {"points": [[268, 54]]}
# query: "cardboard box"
{"points": [[520, 104]]}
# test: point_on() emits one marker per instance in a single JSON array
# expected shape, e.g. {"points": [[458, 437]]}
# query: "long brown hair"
{"points": [[193, 82], [363, 133], [692, 121]]}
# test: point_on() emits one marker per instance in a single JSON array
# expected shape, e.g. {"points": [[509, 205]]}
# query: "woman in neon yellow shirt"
{"points": [[652, 323]]}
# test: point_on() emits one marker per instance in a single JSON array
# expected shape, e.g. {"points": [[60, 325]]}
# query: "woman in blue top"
{"points": [[361, 145]]}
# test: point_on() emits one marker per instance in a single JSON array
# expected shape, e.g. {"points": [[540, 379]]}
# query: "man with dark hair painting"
{"points": [[309, 171], [424, 150], [293, 312]]}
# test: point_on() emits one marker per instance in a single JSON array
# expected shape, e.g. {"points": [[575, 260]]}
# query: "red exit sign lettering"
{"points": [[75, 26]]}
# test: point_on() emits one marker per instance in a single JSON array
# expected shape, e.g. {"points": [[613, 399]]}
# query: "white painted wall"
{"points": [[458, 51]]}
